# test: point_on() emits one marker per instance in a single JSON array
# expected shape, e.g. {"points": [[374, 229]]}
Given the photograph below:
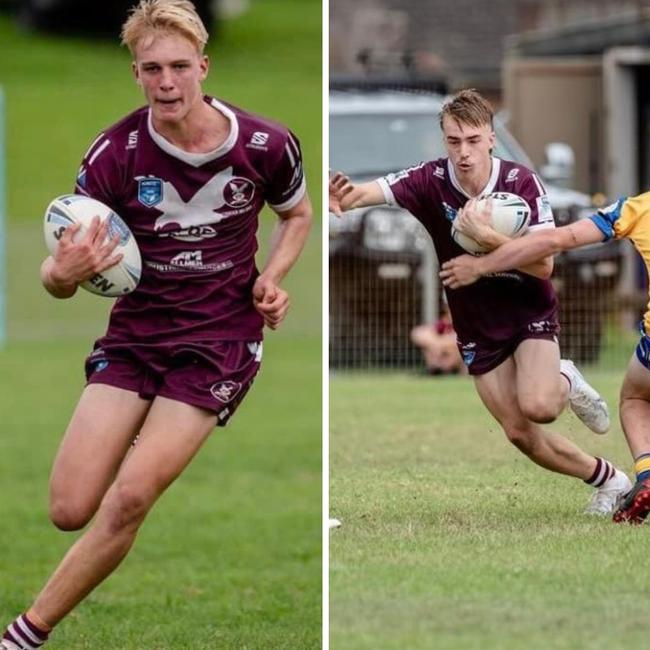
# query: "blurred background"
{"points": [[569, 80], [249, 507]]}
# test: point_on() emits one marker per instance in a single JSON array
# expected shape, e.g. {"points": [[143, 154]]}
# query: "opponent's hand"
{"points": [[76, 262], [271, 301], [339, 187], [474, 219], [460, 271]]}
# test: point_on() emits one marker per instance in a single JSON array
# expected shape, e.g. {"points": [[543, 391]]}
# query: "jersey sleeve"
{"points": [[534, 192], [405, 188], [287, 185], [99, 175], [621, 219]]}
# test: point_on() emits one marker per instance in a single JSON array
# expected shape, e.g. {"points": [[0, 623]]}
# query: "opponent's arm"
{"points": [[517, 253], [475, 223], [346, 195], [76, 262], [287, 242]]}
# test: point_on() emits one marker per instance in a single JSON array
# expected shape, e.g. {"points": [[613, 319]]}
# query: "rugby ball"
{"points": [[510, 217], [69, 209]]}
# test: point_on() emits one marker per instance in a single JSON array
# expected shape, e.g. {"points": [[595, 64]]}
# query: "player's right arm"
{"points": [[346, 195], [76, 262], [523, 251]]}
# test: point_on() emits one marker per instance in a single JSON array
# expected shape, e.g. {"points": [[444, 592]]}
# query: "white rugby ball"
{"points": [[69, 209], [510, 217]]}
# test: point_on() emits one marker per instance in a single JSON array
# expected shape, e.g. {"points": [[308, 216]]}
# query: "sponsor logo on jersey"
{"points": [[544, 210], [258, 140], [193, 233], [188, 259], [133, 140], [450, 212], [439, 172], [239, 192], [150, 191], [225, 391], [202, 208], [512, 175]]}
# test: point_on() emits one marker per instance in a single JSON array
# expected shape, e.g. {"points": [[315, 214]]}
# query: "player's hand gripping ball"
{"points": [[69, 209], [510, 217]]}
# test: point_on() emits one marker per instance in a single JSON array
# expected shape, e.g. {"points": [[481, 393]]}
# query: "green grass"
{"points": [[452, 540], [231, 556]]}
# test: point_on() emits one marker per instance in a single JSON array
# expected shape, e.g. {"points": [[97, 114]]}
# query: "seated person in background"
{"points": [[438, 344]]}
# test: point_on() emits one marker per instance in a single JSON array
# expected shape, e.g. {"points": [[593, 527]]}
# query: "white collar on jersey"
{"points": [[492, 181], [198, 159]]}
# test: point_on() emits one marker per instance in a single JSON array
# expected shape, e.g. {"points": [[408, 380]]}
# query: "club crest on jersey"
{"points": [[225, 391], [238, 192], [512, 175], [150, 191], [450, 212]]}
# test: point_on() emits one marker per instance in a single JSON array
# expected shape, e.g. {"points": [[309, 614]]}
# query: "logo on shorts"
{"points": [[256, 350], [225, 391], [100, 365], [150, 191], [541, 327], [468, 352]]}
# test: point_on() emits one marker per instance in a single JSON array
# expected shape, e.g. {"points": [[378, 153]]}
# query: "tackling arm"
{"points": [[345, 195], [518, 253]]}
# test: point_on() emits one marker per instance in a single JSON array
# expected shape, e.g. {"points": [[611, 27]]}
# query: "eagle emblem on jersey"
{"points": [[150, 191], [223, 189]]}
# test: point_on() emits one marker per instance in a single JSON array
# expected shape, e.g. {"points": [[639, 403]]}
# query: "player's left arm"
{"points": [[520, 253], [287, 242]]}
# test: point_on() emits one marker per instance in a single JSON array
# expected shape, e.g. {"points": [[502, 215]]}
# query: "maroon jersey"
{"points": [[497, 307], [195, 218]]}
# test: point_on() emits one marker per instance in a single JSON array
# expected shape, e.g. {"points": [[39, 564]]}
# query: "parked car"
{"points": [[383, 278]]}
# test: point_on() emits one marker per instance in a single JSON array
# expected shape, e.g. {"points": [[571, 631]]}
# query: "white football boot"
{"points": [[608, 495], [585, 402]]}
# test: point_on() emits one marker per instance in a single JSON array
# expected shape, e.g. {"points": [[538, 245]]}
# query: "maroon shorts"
{"points": [[214, 377], [482, 357]]}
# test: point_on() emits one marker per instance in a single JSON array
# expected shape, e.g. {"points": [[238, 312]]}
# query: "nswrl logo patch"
{"points": [[150, 191]]}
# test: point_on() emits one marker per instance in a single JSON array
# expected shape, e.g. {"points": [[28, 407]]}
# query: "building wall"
{"points": [[559, 100]]}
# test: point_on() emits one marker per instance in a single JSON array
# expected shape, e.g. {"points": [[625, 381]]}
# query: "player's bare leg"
{"points": [[98, 437], [498, 390], [542, 392], [635, 420], [171, 435]]}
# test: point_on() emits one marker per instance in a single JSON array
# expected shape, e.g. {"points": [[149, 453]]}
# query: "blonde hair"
{"points": [[166, 16], [468, 107]]}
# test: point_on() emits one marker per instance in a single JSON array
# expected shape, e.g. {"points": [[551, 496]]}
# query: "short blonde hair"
{"points": [[175, 16], [468, 107]]}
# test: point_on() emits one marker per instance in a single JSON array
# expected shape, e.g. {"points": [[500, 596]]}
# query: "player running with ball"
{"points": [[189, 174], [507, 324], [627, 218]]}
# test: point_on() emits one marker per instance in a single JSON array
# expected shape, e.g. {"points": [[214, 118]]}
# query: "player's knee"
{"points": [[540, 411], [125, 507], [68, 516]]}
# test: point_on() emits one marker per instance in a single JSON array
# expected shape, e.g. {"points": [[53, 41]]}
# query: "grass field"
{"points": [[231, 556], [452, 540]]}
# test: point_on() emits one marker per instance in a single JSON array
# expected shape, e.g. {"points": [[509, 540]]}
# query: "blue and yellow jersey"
{"points": [[629, 218]]}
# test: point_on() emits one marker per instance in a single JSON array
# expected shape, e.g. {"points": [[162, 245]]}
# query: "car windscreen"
{"points": [[368, 145]]}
